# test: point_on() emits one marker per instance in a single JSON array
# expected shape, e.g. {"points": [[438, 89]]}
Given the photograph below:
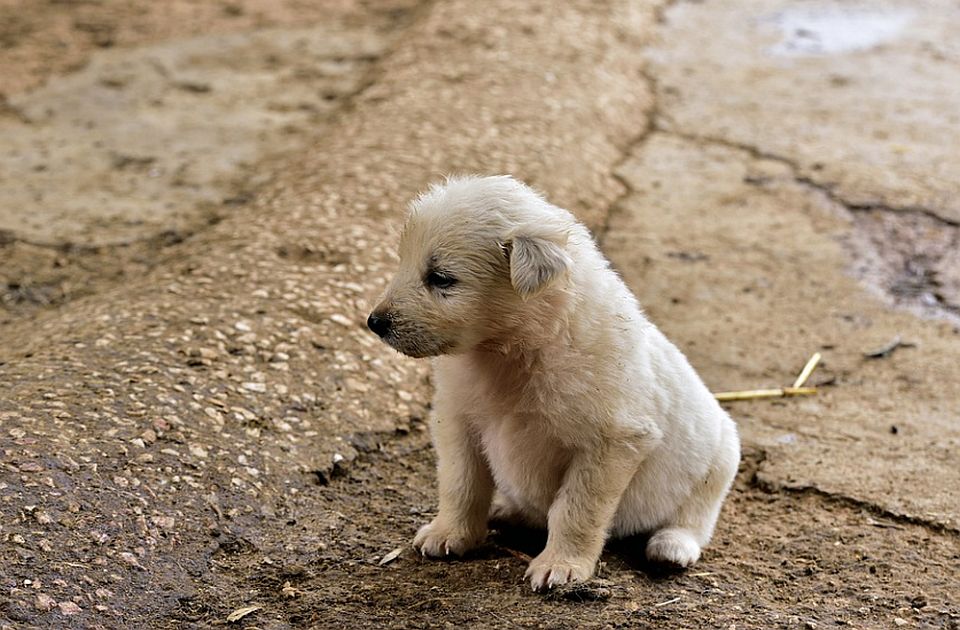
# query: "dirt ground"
{"points": [[198, 201]]}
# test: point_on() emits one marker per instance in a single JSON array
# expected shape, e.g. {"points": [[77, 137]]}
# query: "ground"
{"points": [[198, 203]]}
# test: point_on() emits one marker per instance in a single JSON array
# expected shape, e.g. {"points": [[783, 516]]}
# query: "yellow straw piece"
{"points": [[752, 394], [807, 370]]}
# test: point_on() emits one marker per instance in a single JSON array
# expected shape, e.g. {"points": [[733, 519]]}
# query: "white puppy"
{"points": [[552, 388]]}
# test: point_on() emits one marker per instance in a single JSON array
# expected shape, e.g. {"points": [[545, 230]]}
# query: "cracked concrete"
{"points": [[876, 125], [764, 288]]}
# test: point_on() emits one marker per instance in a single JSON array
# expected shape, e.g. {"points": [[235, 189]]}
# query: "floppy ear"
{"points": [[535, 263]]}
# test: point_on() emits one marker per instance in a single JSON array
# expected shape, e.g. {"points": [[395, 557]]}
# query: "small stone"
{"points": [[69, 608], [355, 385], [899, 621], [164, 522], [130, 559], [255, 387], [45, 602], [242, 326], [31, 467], [342, 320], [198, 451]]}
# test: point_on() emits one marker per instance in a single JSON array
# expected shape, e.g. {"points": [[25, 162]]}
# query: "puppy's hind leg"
{"points": [[506, 511], [679, 543]]}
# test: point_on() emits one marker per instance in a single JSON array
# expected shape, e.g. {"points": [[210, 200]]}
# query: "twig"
{"points": [[807, 370], [752, 394], [516, 554], [887, 350]]}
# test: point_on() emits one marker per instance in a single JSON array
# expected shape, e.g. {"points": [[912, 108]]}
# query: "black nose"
{"points": [[378, 324]]}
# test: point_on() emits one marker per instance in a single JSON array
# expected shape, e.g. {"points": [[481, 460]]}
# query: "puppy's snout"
{"points": [[379, 323]]}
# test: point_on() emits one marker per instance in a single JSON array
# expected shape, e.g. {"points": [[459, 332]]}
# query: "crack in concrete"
{"points": [[652, 114], [756, 458], [826, 189], [926, 292]]}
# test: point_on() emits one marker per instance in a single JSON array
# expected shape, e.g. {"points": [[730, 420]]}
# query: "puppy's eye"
{"points": [[440, 280]]}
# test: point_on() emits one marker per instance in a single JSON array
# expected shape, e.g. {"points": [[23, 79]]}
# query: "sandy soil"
{"points": [[199, 199]]}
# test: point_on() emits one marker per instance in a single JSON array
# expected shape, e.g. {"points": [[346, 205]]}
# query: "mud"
{"points": [[912, 259]]}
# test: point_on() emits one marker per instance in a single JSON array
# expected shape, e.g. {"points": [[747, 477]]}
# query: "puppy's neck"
{"points": [[543, 324]]}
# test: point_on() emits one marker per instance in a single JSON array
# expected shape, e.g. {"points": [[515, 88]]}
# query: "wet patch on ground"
{"points": [[910, 258]]}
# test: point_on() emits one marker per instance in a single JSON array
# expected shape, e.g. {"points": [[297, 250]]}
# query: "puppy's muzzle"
{"points": [[379, 323]]}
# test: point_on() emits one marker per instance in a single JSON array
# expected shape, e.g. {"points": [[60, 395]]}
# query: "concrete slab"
{"points": [[864, 97]]}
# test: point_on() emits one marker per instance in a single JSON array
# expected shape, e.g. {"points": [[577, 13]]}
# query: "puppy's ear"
{"points": [[535, 263]]}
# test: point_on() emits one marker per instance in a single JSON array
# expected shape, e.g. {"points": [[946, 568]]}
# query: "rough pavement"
{"points": [[792, 166], [221, 431]]}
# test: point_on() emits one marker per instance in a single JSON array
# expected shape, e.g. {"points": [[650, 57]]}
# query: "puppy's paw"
{"points": [[673, 546], [549, 570], [438, 539]]}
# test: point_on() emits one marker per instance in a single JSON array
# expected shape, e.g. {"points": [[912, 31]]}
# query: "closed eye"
{"points": [[439, 280]]}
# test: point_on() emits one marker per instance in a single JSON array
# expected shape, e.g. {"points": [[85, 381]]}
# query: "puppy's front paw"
{"points": [[438, 539], [549, 570]]}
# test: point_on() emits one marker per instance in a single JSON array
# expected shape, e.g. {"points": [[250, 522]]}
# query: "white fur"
{"points": [[552, 388]]}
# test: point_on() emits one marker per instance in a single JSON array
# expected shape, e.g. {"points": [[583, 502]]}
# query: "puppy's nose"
{"points": [[379, 324]]}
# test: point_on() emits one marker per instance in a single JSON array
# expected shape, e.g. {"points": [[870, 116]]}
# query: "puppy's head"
{"points": [[478, 256]]}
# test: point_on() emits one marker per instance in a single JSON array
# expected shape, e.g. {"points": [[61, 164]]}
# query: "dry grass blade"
{"points": [[390, 557], [240, 613], [807, 370], [752, 394]]}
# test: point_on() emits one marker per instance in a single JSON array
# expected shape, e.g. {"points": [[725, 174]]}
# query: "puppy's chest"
{"points": [[527, 462], [519, 390]]}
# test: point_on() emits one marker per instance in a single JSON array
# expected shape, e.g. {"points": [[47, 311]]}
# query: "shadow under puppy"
{"points": [[553, 391]]}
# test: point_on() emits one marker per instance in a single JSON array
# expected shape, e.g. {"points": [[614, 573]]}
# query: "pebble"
{"points": [[130, 559], [198, 451], [164, 522], [255, 387], [45, 602], [69, 608], [342, 320]]}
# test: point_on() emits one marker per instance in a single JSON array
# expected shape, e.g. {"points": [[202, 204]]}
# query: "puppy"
{"points": [[553, 391]]}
